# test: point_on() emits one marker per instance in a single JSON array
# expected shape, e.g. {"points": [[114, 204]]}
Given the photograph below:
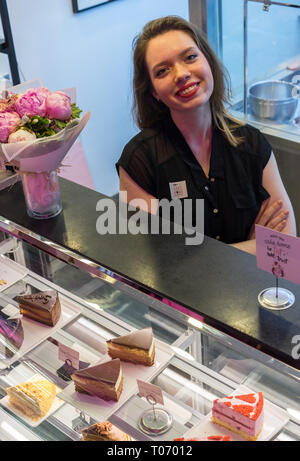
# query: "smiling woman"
{"points": [[183, 81], [189, 142]]}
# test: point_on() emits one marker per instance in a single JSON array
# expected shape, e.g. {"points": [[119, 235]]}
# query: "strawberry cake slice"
{"points": [[242, 414]]}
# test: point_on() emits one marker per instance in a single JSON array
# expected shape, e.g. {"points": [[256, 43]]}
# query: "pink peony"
{"points": [[9, 122], [58, 106], [33, 102]]}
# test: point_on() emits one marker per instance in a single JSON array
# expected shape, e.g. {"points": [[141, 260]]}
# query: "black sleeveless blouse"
{"points": [[233, 192]]}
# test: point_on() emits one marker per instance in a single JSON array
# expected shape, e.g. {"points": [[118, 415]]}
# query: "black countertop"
{"points": [[213, 280]]}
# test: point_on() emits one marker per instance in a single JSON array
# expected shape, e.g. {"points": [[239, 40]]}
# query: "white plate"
{"points": [[57, 403], [11, 272], [36, 332], [99, 409], [274, 420]]}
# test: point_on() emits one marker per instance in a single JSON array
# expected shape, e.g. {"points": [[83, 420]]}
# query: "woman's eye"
{"points": [[161, 72], [191, 57]]}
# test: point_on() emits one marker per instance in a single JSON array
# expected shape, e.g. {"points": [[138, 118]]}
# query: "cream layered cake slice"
{"points": [[137, 347], [242, 414], [33, 398], [104, 380]]}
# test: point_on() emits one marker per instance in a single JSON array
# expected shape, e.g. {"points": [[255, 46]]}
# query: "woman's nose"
{"points": [[182, 73]]}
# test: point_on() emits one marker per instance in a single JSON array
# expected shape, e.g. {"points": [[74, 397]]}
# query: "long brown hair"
{"points": [[147, 110]]}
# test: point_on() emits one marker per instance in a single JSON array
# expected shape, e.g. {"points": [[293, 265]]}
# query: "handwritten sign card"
{"points": [[278, 253], [66, 354], [150, 390]]}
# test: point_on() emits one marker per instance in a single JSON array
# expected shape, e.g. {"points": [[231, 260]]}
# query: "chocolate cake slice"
{"points": [[43, 307], [137, 347], [11, 336], [104, 380], [104, 432]]}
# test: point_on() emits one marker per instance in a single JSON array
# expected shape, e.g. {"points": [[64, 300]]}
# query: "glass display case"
{"points": [[197, 363]]}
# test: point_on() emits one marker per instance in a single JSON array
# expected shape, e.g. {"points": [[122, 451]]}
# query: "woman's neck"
{"points": [[196, 128]]}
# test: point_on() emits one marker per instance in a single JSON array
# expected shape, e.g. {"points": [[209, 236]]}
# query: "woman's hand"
{"points": [[271, 216]]}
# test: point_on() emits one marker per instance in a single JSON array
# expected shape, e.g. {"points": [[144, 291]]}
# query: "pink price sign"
{"points": [[66, 354], [150, 391], [278, 253]]}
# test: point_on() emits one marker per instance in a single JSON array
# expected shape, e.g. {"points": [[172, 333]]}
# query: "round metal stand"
{"points": [[276, 298], [155, 426], [155, 421]]}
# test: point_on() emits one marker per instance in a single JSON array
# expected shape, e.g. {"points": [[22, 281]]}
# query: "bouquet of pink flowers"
{"points": [[37, 113], [35, 122], [37, 129]]}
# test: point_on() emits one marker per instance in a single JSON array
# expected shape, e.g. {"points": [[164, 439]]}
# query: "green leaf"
{"points": [[60, 124], [75, 111]]}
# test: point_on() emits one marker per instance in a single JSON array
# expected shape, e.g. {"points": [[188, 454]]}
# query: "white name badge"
{"points": [[178, 189]]}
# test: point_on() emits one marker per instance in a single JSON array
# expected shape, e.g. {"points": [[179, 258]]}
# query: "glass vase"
{"points": [[42, 194]]}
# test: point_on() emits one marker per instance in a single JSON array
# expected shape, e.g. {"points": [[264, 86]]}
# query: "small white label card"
{"points": [[13, 312], [66, 354], [178, 189], [150, 390]]}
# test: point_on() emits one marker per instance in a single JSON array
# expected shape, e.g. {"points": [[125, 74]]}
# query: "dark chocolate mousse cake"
{"points": [[104, 380], [43, 307], [11, 336], [137, 347]]}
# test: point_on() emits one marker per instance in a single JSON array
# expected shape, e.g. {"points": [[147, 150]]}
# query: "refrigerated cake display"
{"points": [[191, 355]]}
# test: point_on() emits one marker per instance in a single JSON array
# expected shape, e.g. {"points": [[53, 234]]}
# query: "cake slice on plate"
{"points": [[137, 347], [104, 432], [242, 414], [104, 380], [43, 307], [33, 398]]}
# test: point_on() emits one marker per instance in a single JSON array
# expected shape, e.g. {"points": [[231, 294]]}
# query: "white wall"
{"points": [[91, 51]]}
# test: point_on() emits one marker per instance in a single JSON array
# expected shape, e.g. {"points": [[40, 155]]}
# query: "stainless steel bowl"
{"points": [[274, 100]]}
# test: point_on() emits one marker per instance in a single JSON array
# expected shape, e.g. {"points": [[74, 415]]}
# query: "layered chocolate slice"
{"points": [[104, 380], [11, 336], [137, 347], [43, 307]]}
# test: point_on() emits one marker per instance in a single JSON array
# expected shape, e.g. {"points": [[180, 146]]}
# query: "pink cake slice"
{"points": [[242, 414]]}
